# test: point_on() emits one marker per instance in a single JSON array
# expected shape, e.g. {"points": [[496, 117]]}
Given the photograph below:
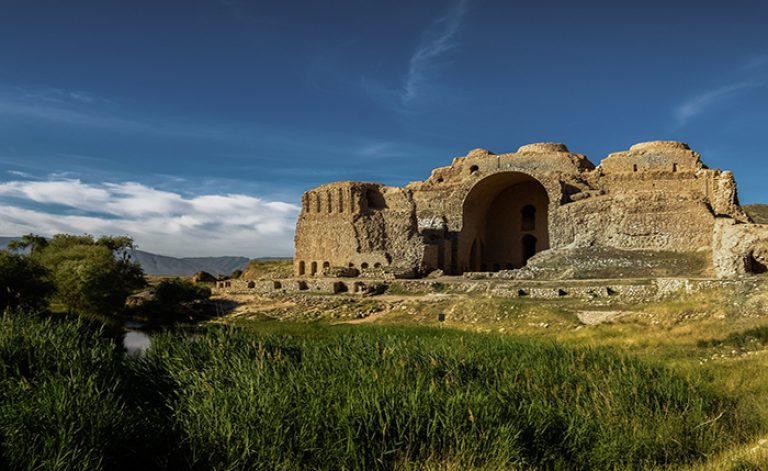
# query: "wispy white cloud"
{"points": [[17, 173], [160, 221], [83, 109], [436, 42], [704, 101], [424, 63]]}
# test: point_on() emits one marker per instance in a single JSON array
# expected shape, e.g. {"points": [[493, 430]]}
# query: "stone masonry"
{"points": [[489, 212]]}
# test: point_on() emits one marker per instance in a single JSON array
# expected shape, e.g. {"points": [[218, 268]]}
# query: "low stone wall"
{"points": [[625, 290]]}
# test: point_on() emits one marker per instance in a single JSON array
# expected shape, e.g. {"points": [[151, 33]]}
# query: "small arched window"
{"points": [[528, 215], [474, 169], [302, 268], [326, 265], [313, 268], [364, 265]]}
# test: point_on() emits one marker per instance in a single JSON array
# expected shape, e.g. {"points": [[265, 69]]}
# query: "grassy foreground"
{"points": [[345, 397]]}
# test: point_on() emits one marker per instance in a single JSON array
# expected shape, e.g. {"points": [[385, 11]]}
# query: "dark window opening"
{"points": [[302, 268], [634, 168], [313, 268], [474, 169], [528, 214], [674, 167], [529, 247], [277, 285], [364, 265], [377, 265], [374, 200], [756, 266]]}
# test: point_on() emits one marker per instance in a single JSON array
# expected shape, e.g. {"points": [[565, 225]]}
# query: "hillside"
{"points": [[268, 268], [162, 265], [758, 212]]}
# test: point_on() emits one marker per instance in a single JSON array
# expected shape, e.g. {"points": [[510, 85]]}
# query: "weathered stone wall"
{"points": [[469, 216], [738, 249]]}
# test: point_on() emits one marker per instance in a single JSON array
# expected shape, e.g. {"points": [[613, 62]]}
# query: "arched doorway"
{"points": [[528, 248], [505, 222]]}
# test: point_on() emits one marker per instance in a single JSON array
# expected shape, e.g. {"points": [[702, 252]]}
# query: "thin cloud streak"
{"points": [[436, 42], [701, 103], [417, 83], [160, 221]]}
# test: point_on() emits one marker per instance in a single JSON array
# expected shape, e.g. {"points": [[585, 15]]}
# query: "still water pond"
{"points": [[135, 341]]}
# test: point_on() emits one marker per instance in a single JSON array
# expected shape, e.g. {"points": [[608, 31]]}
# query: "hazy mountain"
{"points": [[162, 265], [154, 264], [758, 212], [4, 241]]}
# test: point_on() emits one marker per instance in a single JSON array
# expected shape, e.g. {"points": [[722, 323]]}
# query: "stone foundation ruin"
{"points": [[488, 213]]}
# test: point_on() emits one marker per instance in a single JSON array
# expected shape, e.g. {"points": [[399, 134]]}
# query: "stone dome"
{"points": [[659, 145], [543, 147], [479, 152]]}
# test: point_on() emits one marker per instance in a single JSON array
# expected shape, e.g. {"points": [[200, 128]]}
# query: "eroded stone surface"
{"points": [[489, 212]]}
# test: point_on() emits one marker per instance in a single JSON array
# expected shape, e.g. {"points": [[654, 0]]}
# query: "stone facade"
{"points": [[489, 212]]}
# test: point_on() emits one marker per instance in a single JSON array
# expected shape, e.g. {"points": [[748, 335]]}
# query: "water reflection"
{"points": [[135, 341]]}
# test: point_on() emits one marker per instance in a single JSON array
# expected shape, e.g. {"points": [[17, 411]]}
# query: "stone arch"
{"points": [[313, 268], [496, 226]]}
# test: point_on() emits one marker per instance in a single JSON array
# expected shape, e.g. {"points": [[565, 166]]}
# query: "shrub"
{"points": [[24, 283]]}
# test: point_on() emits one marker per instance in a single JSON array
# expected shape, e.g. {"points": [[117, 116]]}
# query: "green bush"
{"points": [[177, 299], [24, 283]]}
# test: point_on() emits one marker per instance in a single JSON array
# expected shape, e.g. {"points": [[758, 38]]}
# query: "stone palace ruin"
{"points": [[488, 213]]}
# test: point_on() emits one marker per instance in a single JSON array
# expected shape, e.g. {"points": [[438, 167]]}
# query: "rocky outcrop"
{"points": [[738, 249]]}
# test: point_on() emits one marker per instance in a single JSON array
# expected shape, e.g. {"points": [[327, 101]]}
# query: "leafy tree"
{"points": [[91, 276], [24, 282], [33, 242]]}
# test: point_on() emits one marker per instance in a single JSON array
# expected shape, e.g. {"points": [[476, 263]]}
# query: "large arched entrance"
{"points": [[505, 222]]}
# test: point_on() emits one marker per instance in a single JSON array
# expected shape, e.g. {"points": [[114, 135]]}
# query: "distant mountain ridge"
{"points": [[162, 265], [758, 212]]}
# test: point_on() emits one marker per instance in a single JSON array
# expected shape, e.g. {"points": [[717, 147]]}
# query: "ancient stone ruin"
{"points": [[489, 213]]}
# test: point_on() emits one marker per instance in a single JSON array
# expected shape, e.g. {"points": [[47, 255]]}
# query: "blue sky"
{"points": [[196, 125]]}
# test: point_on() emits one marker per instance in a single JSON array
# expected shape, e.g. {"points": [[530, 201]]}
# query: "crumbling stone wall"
{"points": [[469, 216], [738, 249]]}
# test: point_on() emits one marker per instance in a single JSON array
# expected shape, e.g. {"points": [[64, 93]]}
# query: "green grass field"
{"points": [[273, 395]]}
